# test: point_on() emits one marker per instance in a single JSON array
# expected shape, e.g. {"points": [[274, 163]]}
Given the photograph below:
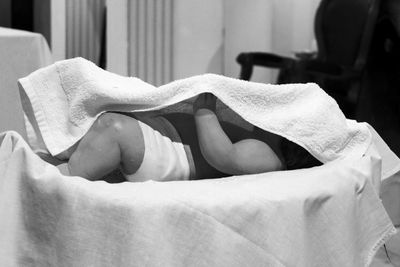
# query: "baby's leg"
{"points": [[114, 140]]}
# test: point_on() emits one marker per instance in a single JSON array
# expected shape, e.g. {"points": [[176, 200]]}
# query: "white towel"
{"points": [[64, 99]]}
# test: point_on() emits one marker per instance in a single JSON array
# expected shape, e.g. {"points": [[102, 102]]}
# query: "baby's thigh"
{"points": [[113, 140]]}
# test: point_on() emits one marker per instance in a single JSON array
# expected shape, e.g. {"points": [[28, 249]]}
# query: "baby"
{"points": [[179, 146]]}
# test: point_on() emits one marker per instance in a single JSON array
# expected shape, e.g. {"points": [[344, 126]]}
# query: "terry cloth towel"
{"points": [[63, 100], [324, 216]]}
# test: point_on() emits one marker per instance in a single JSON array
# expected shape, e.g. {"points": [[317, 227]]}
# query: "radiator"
{"points": [[150, 38], [163, 40], [84, 22]]}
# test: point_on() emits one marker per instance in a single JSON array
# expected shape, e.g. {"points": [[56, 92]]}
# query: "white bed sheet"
{"points": [[324, 216]]}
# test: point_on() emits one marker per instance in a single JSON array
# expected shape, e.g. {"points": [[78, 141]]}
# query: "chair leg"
{"points": [[246, 62]]}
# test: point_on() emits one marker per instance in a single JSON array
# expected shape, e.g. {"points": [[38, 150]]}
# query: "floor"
{"points": [[392, 259]]}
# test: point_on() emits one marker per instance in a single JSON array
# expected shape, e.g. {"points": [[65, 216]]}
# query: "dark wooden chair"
{"points": [[343, 30]]}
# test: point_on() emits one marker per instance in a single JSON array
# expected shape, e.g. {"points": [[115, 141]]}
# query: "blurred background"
{"points": [[161, 41]]}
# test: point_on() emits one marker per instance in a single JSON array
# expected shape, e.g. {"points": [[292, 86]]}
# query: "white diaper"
{"points": [[164, 159]]}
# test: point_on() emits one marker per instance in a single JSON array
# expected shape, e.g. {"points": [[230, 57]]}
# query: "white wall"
{"points": [[198, 37], [293, 25], [209, 34], [248, 27], [58, 29], [117, 36]]}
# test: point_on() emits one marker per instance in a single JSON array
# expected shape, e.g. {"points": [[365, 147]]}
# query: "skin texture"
{"points": [[218, 148], [114, 140], [246, 156]]}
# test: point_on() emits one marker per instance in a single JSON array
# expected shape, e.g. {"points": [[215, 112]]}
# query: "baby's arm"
{"points": [[243, 157]]}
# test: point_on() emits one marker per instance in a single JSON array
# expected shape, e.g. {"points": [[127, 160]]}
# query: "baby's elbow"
{"points": [[273, 164], [238, 163], [277, 166], [253, 165], [226, 164]]}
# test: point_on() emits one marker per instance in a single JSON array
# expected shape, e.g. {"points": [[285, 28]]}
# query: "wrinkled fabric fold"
{"points": [[324, 216]]}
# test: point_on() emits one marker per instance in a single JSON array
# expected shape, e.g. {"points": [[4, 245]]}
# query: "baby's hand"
{"points": [[205, 101]]}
